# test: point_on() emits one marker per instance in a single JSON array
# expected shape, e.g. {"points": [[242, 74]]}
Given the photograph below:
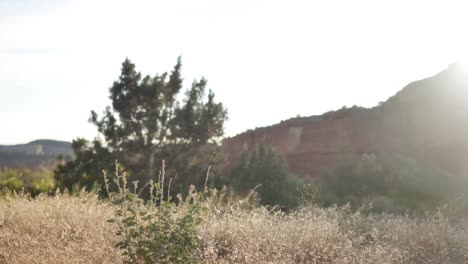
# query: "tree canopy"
{"points": [[149, 121]]}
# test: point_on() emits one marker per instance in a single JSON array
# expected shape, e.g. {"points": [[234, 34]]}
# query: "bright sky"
{"points": [[266, 60]]}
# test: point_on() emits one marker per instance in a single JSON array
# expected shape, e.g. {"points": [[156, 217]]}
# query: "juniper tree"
{"points": [[147, 122]]}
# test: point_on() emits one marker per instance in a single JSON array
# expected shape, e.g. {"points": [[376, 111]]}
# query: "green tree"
{"points": [[389, 181], [262, 167], [89, 161], [147, 123]]}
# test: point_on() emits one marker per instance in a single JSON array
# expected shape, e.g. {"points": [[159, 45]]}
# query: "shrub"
{"points": [[33, 182], [263, 168], [391, 182], [157, 230]]}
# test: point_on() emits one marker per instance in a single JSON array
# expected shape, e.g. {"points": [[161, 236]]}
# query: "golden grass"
{"points": [[61, 229], [316, 235], [74, 229]]}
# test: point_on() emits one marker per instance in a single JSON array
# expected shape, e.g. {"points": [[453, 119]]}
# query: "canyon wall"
{"points": [[426, 121], [309, 145]]}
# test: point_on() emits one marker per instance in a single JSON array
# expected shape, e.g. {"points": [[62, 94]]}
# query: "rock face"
{"points": [[427, 120], [310, 144]]}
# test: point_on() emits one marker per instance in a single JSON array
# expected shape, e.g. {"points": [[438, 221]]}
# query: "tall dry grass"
{"points": [[60, 229], [333, 235], [74, 229]]}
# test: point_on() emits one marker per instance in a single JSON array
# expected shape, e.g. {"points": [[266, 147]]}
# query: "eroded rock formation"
{"points": [[426, 120]]}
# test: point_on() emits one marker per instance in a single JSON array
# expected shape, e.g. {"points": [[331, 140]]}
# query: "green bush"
{"points": [[392, 183], [264, 170], [34, 182], [156, 230]]}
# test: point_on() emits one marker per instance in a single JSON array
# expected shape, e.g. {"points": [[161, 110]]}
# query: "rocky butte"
{"points": [[35, 154], [426, 120]]}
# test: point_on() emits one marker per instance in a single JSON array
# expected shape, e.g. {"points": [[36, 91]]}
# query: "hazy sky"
{"points": [[265, 60]]}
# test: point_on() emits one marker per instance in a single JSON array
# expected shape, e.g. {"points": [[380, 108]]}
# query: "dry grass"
{"points": [[69, 229], [315, 235], [63, 229]]}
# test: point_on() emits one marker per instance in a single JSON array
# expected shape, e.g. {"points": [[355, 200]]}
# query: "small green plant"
{"points": [[157, 230], [308, 193]]}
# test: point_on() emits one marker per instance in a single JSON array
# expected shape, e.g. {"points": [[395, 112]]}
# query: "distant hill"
{"points": [[38, 153], [427, 121]]}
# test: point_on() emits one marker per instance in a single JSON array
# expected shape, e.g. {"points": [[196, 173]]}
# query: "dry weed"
{"points": [[60, 229], [74, 229], [333, 235]]}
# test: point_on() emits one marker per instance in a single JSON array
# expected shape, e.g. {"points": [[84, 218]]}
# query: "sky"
{"points": [[266, 61]]}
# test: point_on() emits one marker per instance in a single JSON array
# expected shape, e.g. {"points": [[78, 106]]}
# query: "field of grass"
{"points": [[74, 229], [61, 229]]}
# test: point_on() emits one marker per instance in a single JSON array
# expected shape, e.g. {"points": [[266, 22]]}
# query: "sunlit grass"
{"points": [[74, 229], [60, 229]]}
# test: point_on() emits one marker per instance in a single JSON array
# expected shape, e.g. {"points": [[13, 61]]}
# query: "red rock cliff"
{"points": [[427, 120], [310, 144]]}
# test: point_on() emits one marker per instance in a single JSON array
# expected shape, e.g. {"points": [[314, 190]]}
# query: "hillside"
{"points": [[38, 153], [426, 121]]}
